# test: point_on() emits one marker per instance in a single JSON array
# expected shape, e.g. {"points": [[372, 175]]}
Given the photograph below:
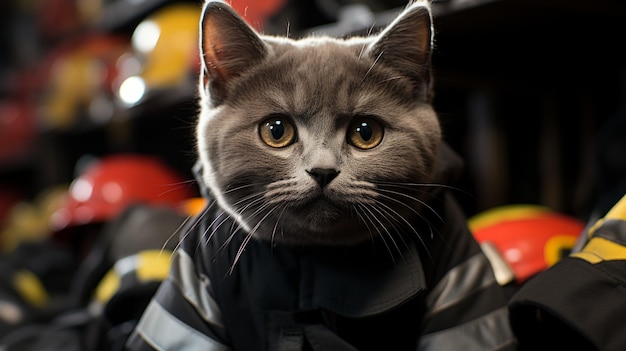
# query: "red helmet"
{"points": [[529, 238], [107, 186]]}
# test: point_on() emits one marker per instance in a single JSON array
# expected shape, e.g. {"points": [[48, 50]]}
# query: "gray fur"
{"points": [[321, 84]]}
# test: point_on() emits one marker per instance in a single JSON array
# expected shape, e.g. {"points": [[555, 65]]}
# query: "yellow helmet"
{"points": [[165, 50]]}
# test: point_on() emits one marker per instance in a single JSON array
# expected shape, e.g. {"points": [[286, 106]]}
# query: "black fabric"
{"points": [[364, 296], [320, 338], [129, 302], [580, 302], [44, 338], [574, 303], [66, 332], [284, 279]]}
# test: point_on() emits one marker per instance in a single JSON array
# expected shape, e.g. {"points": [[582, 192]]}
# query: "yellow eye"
{"points": [[277, 131], [365, 133]]}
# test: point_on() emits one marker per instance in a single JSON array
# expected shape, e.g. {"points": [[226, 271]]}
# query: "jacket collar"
{"points": [[359, 281]]}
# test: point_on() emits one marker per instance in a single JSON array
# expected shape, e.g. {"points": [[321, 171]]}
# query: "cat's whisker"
{"points": [[248, 201], [414, 184], [380, 233], [228, 240], [242, 247], [174, 234], [410, 208], [369, 215], [249, 236], [241, 187], [391, 234], [370, 30], [372, 65], [251, 201], [423, 185], [362, 214], [394, 215], [356, 208], [391, 216], [362, 51], [280, 215], [213, 227], [424, 218], [398, 216], [256, 198], [391, 78], [282, 190], [414, 188], [172, 187], [191, 229], [222, 218], [413, 198]]}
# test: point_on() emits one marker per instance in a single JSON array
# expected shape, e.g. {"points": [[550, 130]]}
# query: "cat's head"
{"points": [[318, 141]]}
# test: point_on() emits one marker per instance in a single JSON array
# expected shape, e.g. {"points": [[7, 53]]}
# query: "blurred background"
{"points": [[98, 95], [531, 93]]}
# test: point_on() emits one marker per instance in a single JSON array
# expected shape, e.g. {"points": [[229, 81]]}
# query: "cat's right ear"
{"points": [[228, 47], [406, 45]]}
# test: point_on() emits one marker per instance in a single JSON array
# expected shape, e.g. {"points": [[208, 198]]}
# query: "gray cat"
{"points": [[318, 141], [330, 224]]}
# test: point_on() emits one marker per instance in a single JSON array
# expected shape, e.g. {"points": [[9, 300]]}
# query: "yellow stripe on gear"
{"points": [[30, 288], [599, 249], [107, 287], [149, 265], [153, 265]]}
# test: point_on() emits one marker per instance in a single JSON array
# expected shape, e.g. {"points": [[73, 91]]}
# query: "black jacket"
{"points": [[438, 294], [580, 302]]}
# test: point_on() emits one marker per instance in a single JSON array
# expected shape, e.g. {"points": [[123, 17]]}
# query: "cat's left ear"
{"points": [[406, 45], [228, 47]]}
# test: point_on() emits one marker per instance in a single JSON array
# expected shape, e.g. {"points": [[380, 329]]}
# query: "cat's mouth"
{"points": [[323, 199], [319, 219], [321, 211]]}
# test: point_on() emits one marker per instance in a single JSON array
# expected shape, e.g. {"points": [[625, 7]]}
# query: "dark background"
{"points": [[531, 93]]}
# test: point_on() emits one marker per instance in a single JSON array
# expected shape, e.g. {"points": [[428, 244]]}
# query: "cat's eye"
{"points": [[277, 131], [365, 133]]}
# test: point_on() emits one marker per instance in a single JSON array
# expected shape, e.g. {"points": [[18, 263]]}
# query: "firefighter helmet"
{"points": [[164, 53], [529, 238], [109, 185]]}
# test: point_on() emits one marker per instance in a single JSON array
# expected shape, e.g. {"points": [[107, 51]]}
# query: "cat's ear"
{"points": [[228, 47], [406, 45]]}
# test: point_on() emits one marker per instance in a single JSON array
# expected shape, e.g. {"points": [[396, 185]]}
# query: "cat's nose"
{"points": [[323, 176]]}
